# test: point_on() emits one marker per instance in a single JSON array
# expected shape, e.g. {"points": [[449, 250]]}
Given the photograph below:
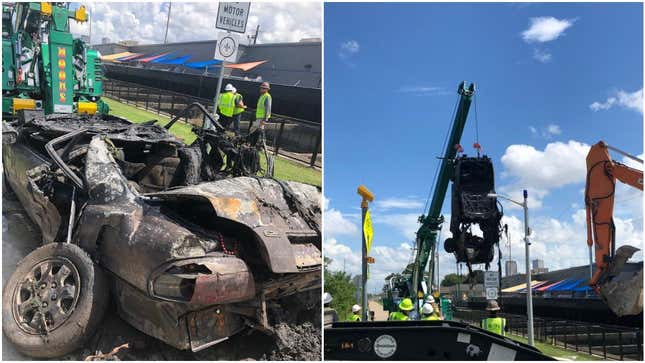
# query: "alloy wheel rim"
{"points": [[46, 296]]}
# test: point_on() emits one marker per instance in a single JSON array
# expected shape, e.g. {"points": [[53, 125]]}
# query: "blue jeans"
{"points": [[236, 122]]}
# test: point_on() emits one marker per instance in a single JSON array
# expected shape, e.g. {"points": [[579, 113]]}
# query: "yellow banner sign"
{"points": [[368, 232]]}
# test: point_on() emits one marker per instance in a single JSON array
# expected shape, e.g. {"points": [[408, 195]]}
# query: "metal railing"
{"points": [[607, 341], [288, 137]]}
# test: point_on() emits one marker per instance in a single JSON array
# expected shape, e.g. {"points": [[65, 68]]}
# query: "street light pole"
{"points": [[529, 292], [527, 243]]}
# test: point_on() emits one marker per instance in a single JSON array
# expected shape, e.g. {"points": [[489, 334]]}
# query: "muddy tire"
{"points": [[450, 245], [54, 301]]}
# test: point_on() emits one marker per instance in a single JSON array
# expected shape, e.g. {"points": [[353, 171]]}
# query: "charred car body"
{"points": [[473, 181], [193, 246]]}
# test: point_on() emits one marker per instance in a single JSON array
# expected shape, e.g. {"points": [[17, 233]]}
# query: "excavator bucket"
{"points": [[624, 296]]}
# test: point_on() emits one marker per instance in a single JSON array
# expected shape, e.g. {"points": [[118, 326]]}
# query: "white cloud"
{"points": [[546, 132], [398, 203], [350, 47], [542, 55], [337, 223], [406, 223], [347, 51], [553, 129], [540, 171], [597, 106], [629, 100], [343, 257], [422, 90], [146, 21], [562, 243], [545, 29]]}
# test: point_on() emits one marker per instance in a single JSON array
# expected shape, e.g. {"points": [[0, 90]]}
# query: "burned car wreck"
{"points": [[189, 243], [473, 181]]}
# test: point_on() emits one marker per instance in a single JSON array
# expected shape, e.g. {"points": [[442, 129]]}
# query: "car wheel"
{"points": [[450, 245], [53, 301]]}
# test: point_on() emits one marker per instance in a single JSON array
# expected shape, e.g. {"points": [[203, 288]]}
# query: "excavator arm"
{"points": [[623, 297]]}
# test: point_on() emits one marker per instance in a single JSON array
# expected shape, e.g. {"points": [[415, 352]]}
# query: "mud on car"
{"points": [[190, 245]]}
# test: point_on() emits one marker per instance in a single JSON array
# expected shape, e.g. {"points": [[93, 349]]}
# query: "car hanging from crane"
{"points": [[473, 183]]}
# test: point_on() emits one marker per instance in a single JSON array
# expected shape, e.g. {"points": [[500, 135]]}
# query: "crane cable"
{"points": [[443, 147], [476, 126]]}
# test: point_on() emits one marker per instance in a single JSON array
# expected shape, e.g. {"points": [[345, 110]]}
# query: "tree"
{"points": [[452, 279], [339, 285]]}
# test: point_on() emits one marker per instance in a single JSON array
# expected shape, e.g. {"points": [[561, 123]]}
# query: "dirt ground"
{"points": [[297, 341]]}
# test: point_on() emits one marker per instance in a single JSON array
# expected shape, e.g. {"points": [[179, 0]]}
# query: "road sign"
{"points": [[491, 293], [232, 16], [491, 284], [226, 49], [368, 231], [491, 279]]}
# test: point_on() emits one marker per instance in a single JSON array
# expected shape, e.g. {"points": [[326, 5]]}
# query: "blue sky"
{"points": [[552, 79]]}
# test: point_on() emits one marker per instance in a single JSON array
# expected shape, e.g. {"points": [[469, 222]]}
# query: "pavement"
{"points": [[377, 308]]}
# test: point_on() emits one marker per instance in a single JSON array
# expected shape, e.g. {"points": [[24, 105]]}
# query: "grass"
{"points": [[284, 169], [288, 170], [556, 352]]}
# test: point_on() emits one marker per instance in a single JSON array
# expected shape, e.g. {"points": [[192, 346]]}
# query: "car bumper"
{"points": [[176, 324]]}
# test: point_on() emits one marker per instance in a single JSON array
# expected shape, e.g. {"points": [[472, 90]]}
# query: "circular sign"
{"points": [[491, 293], [385, 346], [227, 46]]}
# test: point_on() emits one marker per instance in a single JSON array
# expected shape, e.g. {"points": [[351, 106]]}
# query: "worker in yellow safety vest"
{"points": [[238, 101], [494, 323], [356, 313], [405, 306], [226, 105], [427, 313], [263, 109]]}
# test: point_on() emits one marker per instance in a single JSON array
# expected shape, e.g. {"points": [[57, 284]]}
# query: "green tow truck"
{"points": [[43, 67]]}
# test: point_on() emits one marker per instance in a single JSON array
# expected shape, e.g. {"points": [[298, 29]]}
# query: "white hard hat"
{"points": [[356, 308], [429, 299], [427, 309], [327, 298], [229, 87]]}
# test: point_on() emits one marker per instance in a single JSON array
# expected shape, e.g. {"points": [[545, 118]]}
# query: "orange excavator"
{"points": [[624, 295]]}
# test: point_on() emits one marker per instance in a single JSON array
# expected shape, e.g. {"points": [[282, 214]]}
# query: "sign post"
{"points": [[231, 17], [367, 197]]}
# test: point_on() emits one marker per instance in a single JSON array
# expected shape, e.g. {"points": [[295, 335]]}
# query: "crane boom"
{"points": [[426, 240]]}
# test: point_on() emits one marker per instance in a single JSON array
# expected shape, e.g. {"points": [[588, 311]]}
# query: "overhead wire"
{"points": [[476, 120], [443, 147]]}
